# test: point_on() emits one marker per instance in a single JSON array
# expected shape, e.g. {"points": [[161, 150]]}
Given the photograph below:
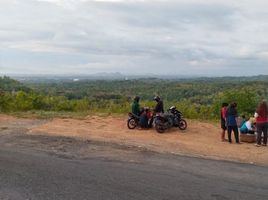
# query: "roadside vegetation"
{"points": [[197, 98]]}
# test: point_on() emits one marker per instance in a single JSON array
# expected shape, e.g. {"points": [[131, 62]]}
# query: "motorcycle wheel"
{"points": [[131, 123], [159, 128], [182, 124]]}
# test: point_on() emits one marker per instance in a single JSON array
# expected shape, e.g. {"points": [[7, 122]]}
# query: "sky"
{"points": [[171, 37]]}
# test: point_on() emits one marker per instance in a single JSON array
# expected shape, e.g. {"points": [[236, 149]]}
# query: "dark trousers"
{"points": [[262, 128], [235, 130], [143, 121]]}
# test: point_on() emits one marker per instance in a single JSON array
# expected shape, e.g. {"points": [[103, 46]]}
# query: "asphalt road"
{"points": [[42, 167], [29, 173]]}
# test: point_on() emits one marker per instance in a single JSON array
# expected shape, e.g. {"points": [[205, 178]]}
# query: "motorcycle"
{"points": [[173, 118], [163, 122], [135, 120], [178, 118]]}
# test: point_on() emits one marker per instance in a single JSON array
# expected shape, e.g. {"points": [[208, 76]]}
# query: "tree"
{"points": [[246, 100]]}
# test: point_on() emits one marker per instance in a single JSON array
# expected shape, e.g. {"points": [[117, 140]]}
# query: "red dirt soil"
{"points": [[201, 139]]}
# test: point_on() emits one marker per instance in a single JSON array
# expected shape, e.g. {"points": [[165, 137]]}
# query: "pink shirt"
{"points": [[223, 112]]}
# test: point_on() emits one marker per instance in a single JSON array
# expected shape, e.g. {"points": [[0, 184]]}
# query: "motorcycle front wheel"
{"points": [[182, 124], [159, 128], [131, 123]]}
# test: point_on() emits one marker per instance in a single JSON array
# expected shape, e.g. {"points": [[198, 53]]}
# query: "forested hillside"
{"points": [[196, 98], [8, 85]]}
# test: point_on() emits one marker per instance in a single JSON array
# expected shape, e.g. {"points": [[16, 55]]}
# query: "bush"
{"points": [[246, 100]]}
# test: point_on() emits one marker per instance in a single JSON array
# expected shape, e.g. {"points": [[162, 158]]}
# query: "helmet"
{"points": [[172, 108], [137, 98], [157, 98]]}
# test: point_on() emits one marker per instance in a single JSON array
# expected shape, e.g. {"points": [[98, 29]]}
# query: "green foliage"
{"points": [[197, 98], [9, 85], [195, 111], [6, 102], [246, 100], [23, 101]]}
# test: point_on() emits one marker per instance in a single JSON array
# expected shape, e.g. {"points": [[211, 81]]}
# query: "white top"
{"points": [[248, 125]]}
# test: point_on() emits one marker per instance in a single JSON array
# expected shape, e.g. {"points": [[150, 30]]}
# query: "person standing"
{"points": [[261, 123], [136, 106], [231, 119], [159, 108], [223, 121]]}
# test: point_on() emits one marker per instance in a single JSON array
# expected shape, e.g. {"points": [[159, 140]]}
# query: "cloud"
{"points": [[159, 36]]}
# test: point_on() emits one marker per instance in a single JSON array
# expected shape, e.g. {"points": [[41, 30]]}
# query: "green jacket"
{"points": [[136, 108]]}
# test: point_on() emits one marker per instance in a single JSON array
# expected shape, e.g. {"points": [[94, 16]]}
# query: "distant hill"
{"points": [[8, 85], [233, 78], [120, 76]]}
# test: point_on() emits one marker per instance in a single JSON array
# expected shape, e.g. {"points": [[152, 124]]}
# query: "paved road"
{"points": [[32, 174], [42, 167]]}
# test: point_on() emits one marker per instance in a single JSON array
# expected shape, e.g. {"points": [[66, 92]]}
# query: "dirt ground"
{"points": [[201, 139]]}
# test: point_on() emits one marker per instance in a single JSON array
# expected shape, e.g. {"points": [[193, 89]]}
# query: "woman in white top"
{"points": [[248, 126]]}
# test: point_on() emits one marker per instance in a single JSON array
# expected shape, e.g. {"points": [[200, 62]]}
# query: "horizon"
{"points": [[119, 75], [174, 37]]}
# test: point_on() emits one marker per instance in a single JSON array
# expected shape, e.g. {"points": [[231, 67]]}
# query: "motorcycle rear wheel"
{"points": [[131, 123], [182, 124]]}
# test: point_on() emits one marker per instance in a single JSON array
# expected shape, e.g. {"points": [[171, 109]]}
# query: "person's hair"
{"points": [[233, 105], [262, 109], [232, 109], [224, 104], [252, 120]]}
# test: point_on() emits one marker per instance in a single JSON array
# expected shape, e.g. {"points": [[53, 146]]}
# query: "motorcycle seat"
{"points": [[133, 115]]}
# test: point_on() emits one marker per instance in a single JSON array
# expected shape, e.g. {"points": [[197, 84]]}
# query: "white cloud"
{"points": [[263, 55], [152, 36]]}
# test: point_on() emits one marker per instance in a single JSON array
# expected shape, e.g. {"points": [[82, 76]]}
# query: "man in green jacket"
{"points": [[136, 106]]}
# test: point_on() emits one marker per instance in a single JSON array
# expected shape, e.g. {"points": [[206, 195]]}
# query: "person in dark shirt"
{"points": [[144, 117], [159, 108], [231, 117], [136, 106]]}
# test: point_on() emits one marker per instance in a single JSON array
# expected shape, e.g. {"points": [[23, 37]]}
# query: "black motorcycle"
{"points": [[173, 118], [133, 121], [178, 118], [144, 120]]}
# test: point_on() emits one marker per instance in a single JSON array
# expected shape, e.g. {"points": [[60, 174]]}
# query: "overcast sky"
{"points": [[190, 37]]}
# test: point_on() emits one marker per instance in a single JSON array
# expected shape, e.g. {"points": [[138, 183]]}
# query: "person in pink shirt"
{"points": [[261, 123], [223, 121]]}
